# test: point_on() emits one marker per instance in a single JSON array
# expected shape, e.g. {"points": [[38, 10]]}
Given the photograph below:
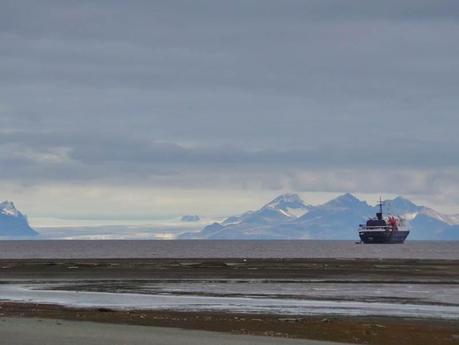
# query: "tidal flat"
{"points": [[365, 301]]}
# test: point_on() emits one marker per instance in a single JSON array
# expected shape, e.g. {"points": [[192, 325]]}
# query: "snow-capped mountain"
{"points": [[283, 208], [410, 211], [337, 218], [7, 208], [288, 217], [289, 204], [13, 223]]}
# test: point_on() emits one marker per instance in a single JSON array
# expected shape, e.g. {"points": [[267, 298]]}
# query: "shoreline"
{"points": [[381, 330], [32, 331], [349, 329]]}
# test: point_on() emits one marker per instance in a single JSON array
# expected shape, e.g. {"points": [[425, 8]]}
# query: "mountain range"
{"points": [[13, 223], [288, 217]]}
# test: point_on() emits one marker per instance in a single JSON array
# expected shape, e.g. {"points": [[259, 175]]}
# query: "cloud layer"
{"points": [[265, 95]]}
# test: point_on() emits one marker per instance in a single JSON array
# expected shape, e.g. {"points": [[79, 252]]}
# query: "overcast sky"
{"points": [[146, 108]]}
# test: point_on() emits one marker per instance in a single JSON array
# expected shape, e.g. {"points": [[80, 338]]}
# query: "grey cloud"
{"points": [[117, 90], [107, 156]]}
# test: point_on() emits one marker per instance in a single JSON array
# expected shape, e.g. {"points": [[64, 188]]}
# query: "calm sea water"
{"points": [[225, 249]]}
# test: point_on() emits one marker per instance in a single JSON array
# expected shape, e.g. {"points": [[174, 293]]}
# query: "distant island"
{"points": [[190, 218], [288, 217], [13, 223]]}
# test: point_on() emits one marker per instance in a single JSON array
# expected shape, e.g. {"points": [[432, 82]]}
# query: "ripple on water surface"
{"points": [[226, 249]]}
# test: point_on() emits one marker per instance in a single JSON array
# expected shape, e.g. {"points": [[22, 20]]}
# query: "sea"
{"points": [[143, 249]]}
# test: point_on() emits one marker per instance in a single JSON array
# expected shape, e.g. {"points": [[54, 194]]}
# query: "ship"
{"points": [[380, 229]]}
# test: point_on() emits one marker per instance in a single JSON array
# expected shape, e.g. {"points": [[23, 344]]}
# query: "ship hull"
{"points": [[383, 236]]}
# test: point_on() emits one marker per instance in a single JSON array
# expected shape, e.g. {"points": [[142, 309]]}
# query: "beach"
{"points": [[51, 332], [362, 301]]}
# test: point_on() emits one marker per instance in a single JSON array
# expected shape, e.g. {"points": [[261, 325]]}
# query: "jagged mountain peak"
{"points": [[8, 208], [401, 205], [289, 205], [344, 200], [293, 197], [336, 219], [402, 199], [7, 203], [286, 201], [12, 222], [399, 200]]}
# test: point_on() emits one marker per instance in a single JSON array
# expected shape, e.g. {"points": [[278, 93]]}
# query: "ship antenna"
{"points": [[379, 215]]}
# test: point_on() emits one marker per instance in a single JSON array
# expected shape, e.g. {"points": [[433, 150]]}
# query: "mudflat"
{"points": [[125, 275], [371, 270], [355, 330]]}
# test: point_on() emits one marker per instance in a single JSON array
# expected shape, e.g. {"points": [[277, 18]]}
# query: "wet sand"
{"points": [[358, 330], [51, 332], [339, 270]]}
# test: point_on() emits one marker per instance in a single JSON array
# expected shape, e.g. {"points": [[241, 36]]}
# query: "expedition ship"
{"points": [[383, 230]]}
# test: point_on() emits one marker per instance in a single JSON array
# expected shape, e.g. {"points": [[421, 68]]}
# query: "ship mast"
{"points": [[380, 213]]}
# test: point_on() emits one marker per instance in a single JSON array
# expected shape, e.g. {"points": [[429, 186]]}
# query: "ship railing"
{"points": [[376, 227]]}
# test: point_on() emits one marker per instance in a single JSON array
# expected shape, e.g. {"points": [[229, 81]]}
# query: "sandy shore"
{"points": [[357, 330], [16, 331]]}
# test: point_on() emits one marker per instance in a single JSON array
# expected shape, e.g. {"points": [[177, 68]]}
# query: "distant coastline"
{"points": [[286, 217]]}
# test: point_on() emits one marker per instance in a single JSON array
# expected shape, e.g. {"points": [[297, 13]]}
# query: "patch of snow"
{"points": [[410, 216], [7, 208], [437, 215], [454, 219], [297, 212]]}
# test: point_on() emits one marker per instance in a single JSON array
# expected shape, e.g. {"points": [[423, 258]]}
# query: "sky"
{"points": [[143, 109]]}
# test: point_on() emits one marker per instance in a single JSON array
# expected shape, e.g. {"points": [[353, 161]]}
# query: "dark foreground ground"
{"points": [[33, 331], [368, 330], [338, 329], [387, 270]]}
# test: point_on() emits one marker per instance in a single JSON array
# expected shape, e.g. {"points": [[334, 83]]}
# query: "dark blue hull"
{"points": [[383, 236]]}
